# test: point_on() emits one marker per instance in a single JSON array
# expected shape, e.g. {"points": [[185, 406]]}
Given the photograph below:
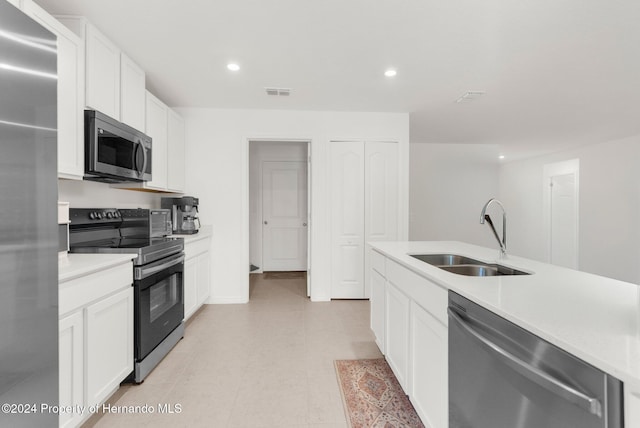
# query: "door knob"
{"points": [[266, 222], [304, 224]]}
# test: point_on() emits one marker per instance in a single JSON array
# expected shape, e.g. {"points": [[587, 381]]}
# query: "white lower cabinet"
{"points": [[190, 288], [397, 333], [109, 345], [429, 374], [408, 319], [377, 308], [95, 338], [203, 269], [197, 268], [71, 357]]}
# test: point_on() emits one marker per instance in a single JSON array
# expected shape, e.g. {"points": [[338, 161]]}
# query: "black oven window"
{"points": [[163, 296]]}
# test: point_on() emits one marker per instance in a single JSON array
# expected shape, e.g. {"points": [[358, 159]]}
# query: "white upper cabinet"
{"points": [[166, 129], [132, 93], [70, 92], [102, 73], [109, 81], [156, 128], [176, 155]]}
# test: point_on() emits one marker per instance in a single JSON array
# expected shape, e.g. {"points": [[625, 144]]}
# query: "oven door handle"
{"points": [[145, 271], [534, 374]]}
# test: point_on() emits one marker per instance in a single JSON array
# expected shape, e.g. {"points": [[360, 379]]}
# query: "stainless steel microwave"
{"points": [[114, 152]]}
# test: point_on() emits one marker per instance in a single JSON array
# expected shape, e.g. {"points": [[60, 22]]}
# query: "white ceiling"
{"points": [[556, 73]]}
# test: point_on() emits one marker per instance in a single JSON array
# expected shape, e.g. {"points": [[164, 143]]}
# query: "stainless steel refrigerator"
{"points": [[28, 221]]}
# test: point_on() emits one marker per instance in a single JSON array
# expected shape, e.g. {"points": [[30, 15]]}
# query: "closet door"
{"points": [[380, 198], [347, 219]]}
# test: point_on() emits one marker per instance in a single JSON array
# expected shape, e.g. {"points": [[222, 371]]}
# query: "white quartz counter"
{"points": [[74, 266], [595, 318]]}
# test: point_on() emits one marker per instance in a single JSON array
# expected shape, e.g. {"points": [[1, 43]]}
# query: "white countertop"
{"points": [[73, 266], [595, 318]]}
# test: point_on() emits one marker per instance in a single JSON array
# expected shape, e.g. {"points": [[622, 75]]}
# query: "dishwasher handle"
{"points": [[534, 374]]}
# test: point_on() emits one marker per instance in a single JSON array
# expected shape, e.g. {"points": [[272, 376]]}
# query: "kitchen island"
{"points": [[596, 319]]}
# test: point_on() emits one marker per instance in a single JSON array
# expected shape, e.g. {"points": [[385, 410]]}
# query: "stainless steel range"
{"points": [[158, 276]]}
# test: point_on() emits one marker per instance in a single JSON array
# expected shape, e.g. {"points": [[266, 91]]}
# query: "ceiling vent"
{"points": [[470, 96], [278, 92]]}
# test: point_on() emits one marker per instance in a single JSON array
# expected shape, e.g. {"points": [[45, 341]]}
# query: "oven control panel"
{"points": [[93, 216]]}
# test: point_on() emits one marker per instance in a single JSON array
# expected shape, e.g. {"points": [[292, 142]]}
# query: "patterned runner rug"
{"points": [[373, 397]]}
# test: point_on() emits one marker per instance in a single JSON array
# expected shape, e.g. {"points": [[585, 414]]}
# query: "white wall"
{"points": [[609, 207], [260, 151], [90, 194], [449, 184], [217, 172]]}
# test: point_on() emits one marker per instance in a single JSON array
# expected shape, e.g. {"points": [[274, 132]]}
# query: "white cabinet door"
{"points": [[132, 93], [156, 128], [102, 73], [196, 275], [364, 207], [397, 306], [70, 93], [71, 364], [429, 368], [347, 219], [16, 3], [190, 286], [109, 336], [380, 197], [377, 308], [176, 154], [632, 406], [203, 274]]}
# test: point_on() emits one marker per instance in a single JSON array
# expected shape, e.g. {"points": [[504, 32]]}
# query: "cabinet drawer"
{"points": [[81, 291], [378, 262], [432, 297], [194, 248]]}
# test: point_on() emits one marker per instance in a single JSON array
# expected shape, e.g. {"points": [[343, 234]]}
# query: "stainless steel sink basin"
{"points": [[482, 270], [462, 265], [446, 259]]}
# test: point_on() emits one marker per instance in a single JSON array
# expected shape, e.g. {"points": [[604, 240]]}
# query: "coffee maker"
{"points": [[184, 214]]}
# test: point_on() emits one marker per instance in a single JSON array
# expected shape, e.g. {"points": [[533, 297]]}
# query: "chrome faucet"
{"points": [[485, 217]]}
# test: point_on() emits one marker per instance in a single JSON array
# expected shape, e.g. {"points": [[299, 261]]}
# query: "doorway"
{"points": [[279, 195], [561, 206]]}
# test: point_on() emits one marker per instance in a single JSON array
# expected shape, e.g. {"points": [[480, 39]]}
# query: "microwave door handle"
{"points": [[140, 148], [144, 162], [534, 374]]}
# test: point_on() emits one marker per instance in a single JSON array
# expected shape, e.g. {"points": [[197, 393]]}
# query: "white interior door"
{"points": [[381, 199], [561, 206], [347, 220], [284, 215]]}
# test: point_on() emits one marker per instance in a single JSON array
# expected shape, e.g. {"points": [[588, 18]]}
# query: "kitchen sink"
{"points": [[446, 259], [462, 265]]}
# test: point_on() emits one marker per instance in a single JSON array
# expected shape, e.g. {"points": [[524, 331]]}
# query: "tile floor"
{"points": [[268, 363]]}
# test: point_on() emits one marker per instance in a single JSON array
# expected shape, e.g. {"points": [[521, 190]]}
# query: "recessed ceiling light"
{"points": [[390, 73], [233, 66], [501, 157]]}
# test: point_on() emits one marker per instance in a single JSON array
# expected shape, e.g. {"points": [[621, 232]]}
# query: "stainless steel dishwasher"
{"points": [[502, 376]]}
